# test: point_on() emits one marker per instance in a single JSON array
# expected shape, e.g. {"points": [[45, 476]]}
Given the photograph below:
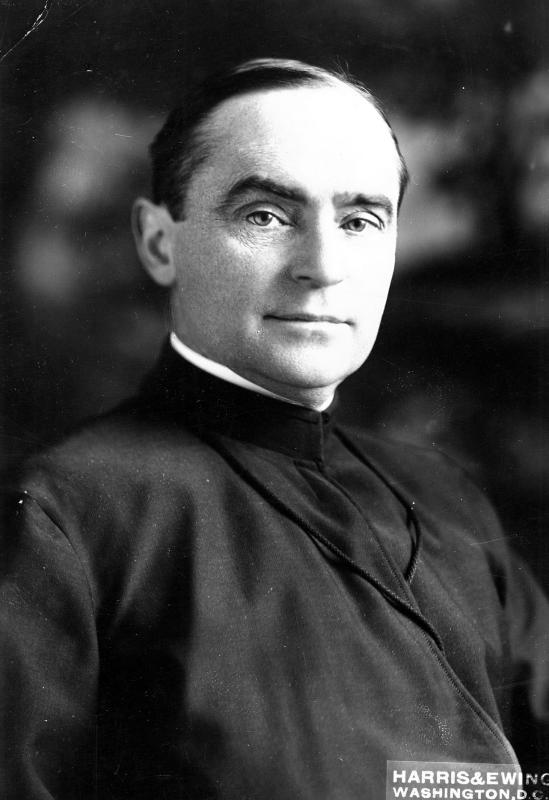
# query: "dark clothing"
{"points": [[214, 594]]}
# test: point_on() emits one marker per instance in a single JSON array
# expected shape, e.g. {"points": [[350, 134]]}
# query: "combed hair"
{"points": [[181, 145]]}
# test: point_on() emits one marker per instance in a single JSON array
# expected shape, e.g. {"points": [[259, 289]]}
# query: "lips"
{"points": [[301, 316]]}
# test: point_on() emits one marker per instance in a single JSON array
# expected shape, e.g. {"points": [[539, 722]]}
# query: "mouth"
{"points": [[310, 318]]}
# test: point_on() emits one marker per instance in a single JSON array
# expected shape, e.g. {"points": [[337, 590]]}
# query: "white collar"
{"points": [[226, 374]]}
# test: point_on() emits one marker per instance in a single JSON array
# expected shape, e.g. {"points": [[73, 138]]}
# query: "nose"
{"points": [[318, 259]]}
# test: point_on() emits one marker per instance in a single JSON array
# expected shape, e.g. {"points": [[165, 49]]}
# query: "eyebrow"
{"points": [[380, 201], [258, 183]]}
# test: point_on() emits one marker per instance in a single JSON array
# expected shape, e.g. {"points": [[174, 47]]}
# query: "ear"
{"points": [[152, 227]]}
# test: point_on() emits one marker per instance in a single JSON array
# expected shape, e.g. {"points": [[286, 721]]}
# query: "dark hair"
{"points": [[181, 145]]}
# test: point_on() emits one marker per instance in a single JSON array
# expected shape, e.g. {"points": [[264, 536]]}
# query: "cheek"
{"points": [[222, 274], [373, 277], [370, 293]]}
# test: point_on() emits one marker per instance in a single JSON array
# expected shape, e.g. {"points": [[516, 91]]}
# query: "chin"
{"points": [[311, 373]]}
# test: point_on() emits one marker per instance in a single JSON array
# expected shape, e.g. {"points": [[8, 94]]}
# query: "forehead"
{"points": [[324, 139]]}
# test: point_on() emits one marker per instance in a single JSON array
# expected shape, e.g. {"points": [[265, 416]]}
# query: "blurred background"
{"points": [[462, 359]]}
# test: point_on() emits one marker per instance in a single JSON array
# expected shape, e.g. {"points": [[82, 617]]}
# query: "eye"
{"points": [[359, 224], [264, 219]]}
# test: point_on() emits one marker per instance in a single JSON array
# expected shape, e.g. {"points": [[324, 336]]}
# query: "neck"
{"points": [[178, 392], [317, 399]]}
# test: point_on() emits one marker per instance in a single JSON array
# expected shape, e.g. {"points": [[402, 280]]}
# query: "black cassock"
{"points": [[209, 593]]}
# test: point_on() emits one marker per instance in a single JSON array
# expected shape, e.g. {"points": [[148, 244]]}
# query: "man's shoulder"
{"points": [[426, 477], [124, 451], [402, 457]]}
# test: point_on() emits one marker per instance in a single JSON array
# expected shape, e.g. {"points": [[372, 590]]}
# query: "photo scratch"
{"points": [[35, 25]]}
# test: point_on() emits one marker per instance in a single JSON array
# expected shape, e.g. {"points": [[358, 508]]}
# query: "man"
{"points": [[214, 591]]}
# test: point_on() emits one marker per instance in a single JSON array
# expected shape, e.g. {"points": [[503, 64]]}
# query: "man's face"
{"points": [[284, 259]]}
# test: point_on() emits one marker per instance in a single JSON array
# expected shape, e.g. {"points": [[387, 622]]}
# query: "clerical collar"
{"points": [[207, 404], [226, 374]]}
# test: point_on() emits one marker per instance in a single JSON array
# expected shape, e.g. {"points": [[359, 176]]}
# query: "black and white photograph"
{"points": [[274, 435]]}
